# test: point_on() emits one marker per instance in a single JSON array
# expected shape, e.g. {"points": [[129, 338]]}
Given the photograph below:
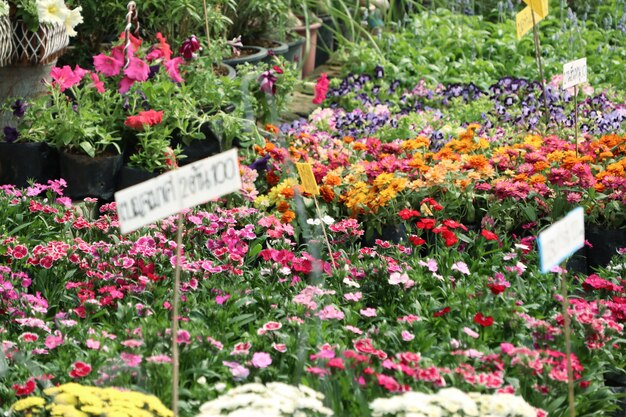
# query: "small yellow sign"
{"points": [[307, 178], [539, 6], [524, 21]]}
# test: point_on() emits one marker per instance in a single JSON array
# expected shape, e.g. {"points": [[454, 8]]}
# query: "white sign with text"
{"points": [[561, 240], [176, 190], [574, 73]]}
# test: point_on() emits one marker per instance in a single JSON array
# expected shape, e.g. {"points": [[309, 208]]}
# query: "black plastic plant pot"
{"points": [[294, 51], [604, 245], [232, 72], [129, 176], [20, 162], [325, 41], [394, 233], [249, 54], [90, 177], [200, 149]]}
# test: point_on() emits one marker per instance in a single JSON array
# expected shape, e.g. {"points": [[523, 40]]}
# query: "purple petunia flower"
{"points": [[10, 134], [268, 82]]}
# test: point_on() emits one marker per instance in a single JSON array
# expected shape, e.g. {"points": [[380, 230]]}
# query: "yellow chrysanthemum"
{"points": [[27, 403]]}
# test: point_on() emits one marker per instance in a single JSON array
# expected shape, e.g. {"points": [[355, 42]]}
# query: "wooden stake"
{"points": [[206, 25], [175, 356], [576, 118], [540, 67], [568, 347], [330, 250]]}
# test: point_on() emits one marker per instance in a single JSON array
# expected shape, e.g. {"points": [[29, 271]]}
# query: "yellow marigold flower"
{"points": [[556, 156], [29, 402], [358, 146], [534, 140]]}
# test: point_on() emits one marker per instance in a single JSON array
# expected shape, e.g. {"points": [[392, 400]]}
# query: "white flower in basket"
{"points": [[6, 44], [44, 44]]}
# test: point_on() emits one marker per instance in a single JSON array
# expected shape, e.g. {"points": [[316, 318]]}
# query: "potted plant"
{"points": [[80, 119], [6, 44], [40, 31], [306, 24], [24, 154], [153, 154]]}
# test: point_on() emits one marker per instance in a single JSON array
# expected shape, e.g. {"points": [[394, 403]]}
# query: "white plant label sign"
{"points": [[176, 190], [562, 239], [574, 73]]}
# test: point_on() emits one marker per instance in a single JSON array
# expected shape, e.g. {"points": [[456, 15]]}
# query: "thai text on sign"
{"points": [[524, 21], [176, 190], [307, 178], [561, 240], [574, 73], [538, 6]]}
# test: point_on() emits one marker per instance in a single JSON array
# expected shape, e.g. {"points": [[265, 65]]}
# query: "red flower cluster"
{"points": [[149, 117], [482, 320], [407, 214], [26, 389], [80, 370]]}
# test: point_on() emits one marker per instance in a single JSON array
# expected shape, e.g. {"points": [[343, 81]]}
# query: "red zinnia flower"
{"points": [[482, 320], [488, 235]]}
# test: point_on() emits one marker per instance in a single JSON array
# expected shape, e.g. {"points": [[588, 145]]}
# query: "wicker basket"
{"points": [[41, 47], [6, 42]]}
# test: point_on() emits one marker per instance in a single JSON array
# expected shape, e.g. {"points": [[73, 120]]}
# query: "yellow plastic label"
{"points": [[307, 178], [539, 6], [524, 21]]}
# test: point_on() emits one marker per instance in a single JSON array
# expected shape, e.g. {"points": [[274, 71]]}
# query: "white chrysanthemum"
{"points": [[52, 11], [73, 19], [274, 399], [454, 400]]}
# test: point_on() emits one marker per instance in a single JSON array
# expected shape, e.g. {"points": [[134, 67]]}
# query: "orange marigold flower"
{"points": [[287, 217], [348, 139], [540, 165], [332, 179], [327, 193], [287, 192], [537, 179], [272, 178], [358, 146], [271, 128], [282, 206], [477, 162]]}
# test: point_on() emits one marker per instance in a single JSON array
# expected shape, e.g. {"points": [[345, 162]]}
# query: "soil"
{"points": [[244, 52], [266, 43], [219, 70]]}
